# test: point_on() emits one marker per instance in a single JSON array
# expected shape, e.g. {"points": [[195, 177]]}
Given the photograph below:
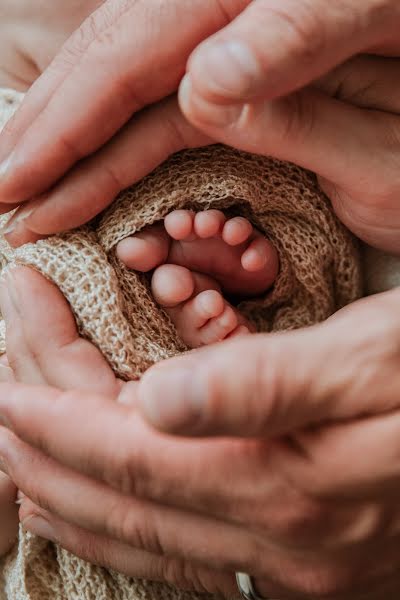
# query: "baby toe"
{"points": [[171, 285], [236, 231], [218, 328], [259, 253], [145, 250], [209, 223], [239, 331], [190, 317], [179, 224], [203, 307]]}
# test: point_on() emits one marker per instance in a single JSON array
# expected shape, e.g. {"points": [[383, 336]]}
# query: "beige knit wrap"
{"points": [[319, 273]]}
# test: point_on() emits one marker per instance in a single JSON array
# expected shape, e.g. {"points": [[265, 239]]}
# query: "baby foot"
{"points": [[197, 259]]}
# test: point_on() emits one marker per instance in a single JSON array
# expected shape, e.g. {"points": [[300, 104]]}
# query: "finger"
{"points": [[282, 572], [136, 70], [43, 346], [94, 183], [163, 532], [141, 521], [142, 524], [113, 445], [134, 460], [42, 89], [123, 558], [272, 49], [288, 381], [308, 128], [367, 81], [319, 461]]}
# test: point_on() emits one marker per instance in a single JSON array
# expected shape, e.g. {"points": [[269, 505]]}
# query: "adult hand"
{"points": [[266, 82], [303, 494]]}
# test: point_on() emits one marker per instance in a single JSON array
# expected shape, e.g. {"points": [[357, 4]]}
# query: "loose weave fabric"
{"points": [[319, 273]]}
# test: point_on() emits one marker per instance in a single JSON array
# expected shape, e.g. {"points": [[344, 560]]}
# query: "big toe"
{"points": [[171, 285]]}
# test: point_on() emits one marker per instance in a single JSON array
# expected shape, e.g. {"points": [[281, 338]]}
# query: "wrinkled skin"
{"points": [[279, 497]]}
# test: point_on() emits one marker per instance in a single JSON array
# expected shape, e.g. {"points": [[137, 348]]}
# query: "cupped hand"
{"points": [[126, 56], [299, 80], [283, 465], [315, 84]]}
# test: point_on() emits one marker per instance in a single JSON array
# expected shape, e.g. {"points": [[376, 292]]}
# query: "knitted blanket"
{"points": [[319, 273]]}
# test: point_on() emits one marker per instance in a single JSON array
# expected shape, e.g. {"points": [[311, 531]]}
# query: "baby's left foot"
{"points": [[199, 258]]}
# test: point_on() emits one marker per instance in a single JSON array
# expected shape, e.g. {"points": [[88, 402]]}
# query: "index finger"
{"points": [[128, 59], [109, 442]]}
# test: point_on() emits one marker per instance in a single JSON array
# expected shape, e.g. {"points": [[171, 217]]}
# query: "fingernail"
{"points": [[5, 166], [228, 68], [206, 112], [171, 398], [17, 218], [20, 497], [40, 527], [185, 90]]}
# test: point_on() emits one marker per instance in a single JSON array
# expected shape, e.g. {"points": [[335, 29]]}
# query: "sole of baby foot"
{"points": [[231, 251], [196, 306]]}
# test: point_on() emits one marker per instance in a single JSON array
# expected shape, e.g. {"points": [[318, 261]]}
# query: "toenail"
{"points": [[226, 318], [211, 303]]}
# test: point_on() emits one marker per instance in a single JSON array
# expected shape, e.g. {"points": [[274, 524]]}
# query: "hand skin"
{"points": [[303, 493], [302, 80], [31, 34]]}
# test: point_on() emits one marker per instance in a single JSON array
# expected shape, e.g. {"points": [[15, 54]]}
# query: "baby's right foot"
{"points": [[197, 259]]}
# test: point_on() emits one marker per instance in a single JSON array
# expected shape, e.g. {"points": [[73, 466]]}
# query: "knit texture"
{"points": [[319, 273]]}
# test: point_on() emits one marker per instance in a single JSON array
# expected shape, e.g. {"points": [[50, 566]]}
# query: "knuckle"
{"points": [[86, 546], [129, 475], [114, 182], [174, 132], [181, 574], [122, 522], [300, 522], [70, 147], [117, 472]]}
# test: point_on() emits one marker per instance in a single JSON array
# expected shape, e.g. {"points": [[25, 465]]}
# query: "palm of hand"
{"points": [[365, 198]]}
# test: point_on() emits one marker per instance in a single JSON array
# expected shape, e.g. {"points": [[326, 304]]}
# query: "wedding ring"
{"points": [[247, 588]]}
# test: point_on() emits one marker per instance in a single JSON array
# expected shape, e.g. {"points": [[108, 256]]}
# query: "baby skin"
{"points": [[202, 263]]}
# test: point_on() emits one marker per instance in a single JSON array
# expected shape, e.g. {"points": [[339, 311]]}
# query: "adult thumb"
{"points": [[247, 86], [273, 384], [275, 47]]}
